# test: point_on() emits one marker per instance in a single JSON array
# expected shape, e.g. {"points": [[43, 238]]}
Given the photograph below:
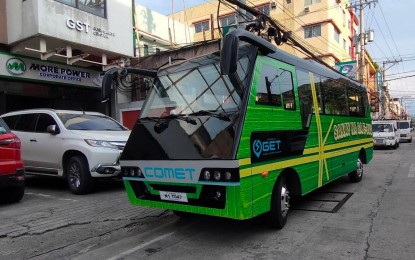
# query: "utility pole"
{"points": [[363, 36], [362, 45], [384, 85]]}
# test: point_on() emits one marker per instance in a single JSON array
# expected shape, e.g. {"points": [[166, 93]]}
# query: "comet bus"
{"points": [[239, 132]]}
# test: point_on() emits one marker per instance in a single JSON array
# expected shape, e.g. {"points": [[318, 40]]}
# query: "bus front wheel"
{"points": [[280, 204]]}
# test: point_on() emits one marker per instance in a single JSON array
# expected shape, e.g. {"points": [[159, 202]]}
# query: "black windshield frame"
{"points": [[195, 85]]}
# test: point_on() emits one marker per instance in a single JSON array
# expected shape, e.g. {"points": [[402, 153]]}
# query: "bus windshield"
{"points": [[195, 86]]}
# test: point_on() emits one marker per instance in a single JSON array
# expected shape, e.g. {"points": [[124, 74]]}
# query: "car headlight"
{"points": [[391, 138], [100, 143]]}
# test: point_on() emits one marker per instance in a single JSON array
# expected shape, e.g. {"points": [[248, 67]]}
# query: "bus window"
{"points": [[334, 97], [305, 96], [356, 105], [287, 88], [268, 91]]}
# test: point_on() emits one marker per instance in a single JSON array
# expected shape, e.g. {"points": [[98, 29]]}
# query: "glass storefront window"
{"points": [[67, 2], [95, 7]]}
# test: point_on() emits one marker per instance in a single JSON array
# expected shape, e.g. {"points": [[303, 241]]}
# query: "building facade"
{"points": [[157, 32], [53, 52], [327, 27]]}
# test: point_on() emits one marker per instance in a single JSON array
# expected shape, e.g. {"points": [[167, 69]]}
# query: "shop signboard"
{"points": [[348, 69], [32, 69]]}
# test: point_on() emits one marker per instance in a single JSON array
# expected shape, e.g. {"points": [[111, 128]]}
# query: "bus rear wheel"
{"points": [[357, 175], [280, 205]]}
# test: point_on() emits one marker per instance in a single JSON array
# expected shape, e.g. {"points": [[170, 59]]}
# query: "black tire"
{"points": [[357, 175], [395, 146], [12, 194], [410, 140], [78, 176], [280, 205]]}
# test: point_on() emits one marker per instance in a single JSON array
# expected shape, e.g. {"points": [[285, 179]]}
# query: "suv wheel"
{"points": [[78, 176]]}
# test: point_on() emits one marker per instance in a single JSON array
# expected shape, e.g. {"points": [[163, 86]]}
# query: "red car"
{"points": [[12, 178]]}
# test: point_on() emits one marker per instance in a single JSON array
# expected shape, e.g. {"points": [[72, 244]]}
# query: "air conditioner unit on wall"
{"points": [[306, 9], [273, 4]]}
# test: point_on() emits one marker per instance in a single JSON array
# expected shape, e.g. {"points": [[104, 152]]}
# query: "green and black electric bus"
{"points": [[236, 133]]}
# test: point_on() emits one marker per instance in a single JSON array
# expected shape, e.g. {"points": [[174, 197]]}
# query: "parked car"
{"points": [[405, 129], [79, 146], [385, 134], [12, 179]]}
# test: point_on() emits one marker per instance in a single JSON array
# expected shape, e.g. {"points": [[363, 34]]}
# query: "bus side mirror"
{"points": [[107, 81], [230, 46], [229, 55]]}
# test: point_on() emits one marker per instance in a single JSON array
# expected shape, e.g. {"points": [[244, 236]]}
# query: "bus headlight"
{"points": [[206, 175], [131, 172], [217, 175]]}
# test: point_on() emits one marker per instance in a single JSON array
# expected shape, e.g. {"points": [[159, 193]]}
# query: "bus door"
{"points": [[273, 125]]}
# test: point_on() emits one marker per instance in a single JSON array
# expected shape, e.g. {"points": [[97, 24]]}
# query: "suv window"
{"points": [[3, 127], [11, 121], [89, 122], [43, 122], [26, 123]]}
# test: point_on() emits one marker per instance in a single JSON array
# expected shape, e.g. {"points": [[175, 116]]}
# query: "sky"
{"points": [[393, 24]]}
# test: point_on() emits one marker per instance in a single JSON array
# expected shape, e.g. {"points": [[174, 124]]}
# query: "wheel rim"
{"points": [[359, 169], [74, 175], [285, 201]]}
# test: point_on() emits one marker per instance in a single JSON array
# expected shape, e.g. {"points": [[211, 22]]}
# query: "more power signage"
{"points": [[27, 68]]}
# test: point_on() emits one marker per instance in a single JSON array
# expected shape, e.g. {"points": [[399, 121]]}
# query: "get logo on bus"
{"points": [[15, 66]]}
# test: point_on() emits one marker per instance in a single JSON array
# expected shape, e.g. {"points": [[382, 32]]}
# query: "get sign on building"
{"points": [[103, 29]]}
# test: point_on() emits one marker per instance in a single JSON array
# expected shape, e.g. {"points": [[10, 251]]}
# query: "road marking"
{"points": [[49, 196], [412, 171], [140, 246]]}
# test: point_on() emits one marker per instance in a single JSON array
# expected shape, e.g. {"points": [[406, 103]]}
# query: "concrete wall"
{"points": [[3, 23]]}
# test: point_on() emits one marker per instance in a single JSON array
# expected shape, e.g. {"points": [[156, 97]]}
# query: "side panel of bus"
{"points": [[282, 135], [273, 136]]}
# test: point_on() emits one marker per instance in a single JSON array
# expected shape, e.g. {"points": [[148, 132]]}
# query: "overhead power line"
{"points": [[410, 76]]}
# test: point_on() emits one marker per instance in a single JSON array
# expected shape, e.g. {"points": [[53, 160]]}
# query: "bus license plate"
{"points": [[173, 196]]}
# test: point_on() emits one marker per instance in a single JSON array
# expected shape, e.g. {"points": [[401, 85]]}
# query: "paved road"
{"points": [[376, 222]]}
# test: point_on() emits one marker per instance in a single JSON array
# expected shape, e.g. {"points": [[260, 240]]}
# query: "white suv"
{"points": [[80, 146]]}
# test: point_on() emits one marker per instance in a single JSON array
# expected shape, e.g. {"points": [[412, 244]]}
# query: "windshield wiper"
{"points": [[150, 118], [183, 117], [214, 113], [163, 122]]}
